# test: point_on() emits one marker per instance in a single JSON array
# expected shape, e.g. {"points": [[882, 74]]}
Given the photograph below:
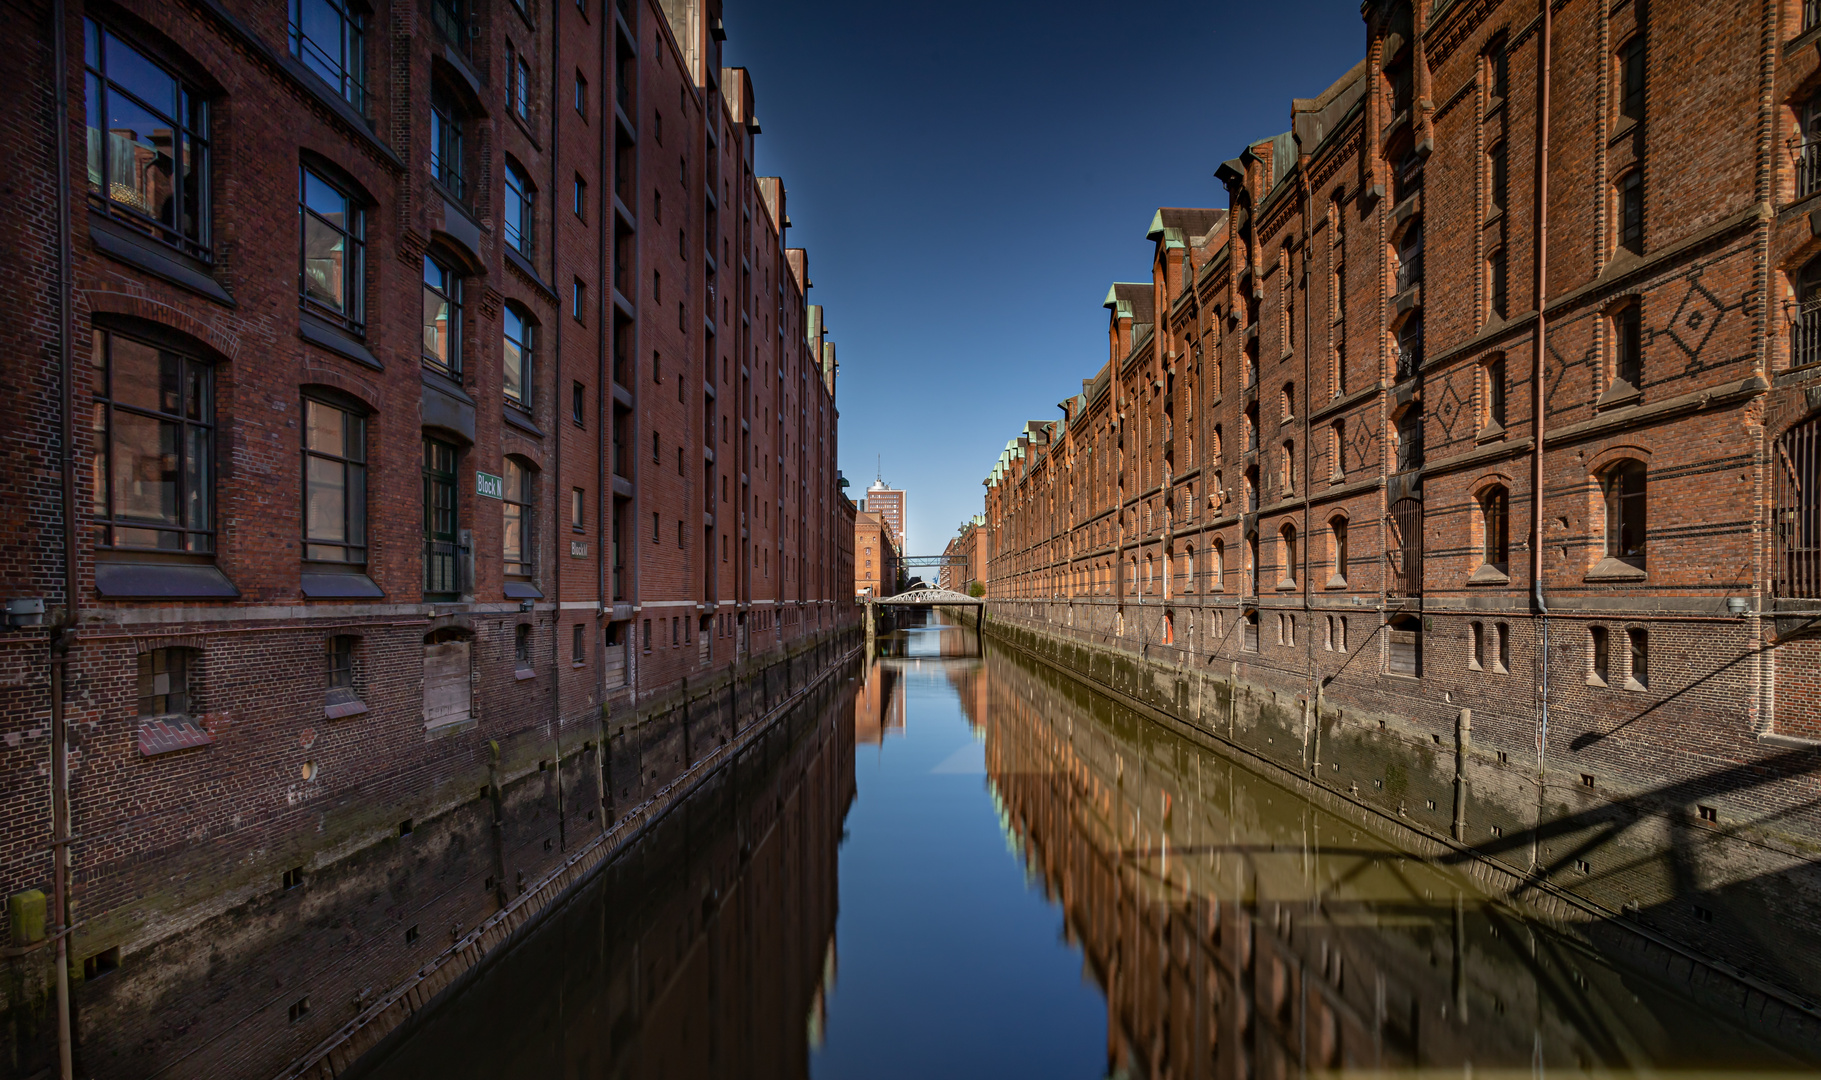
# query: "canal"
{"points": [[956, 864]]}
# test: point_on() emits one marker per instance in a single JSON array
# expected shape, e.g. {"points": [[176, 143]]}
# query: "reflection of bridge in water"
{"points": [[925, 598]]}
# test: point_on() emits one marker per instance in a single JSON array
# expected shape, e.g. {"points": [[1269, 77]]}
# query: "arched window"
{"points": [[1286, 578], [1623, 486], [1148, 579], [1495, 529], [1410, 346], [1251, 502], [1798, 517], [1289, 401], [1337, 546], [1288, 466], [1187, 583], [1252, 564], [1337, 440], [154, 417]]}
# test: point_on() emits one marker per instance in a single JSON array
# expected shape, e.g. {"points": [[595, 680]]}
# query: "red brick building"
{"points": [[876, 557], [1316, 462], [406, 400]]}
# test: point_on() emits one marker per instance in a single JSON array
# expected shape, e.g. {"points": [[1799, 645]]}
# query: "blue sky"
{"points": [[969, 178]]}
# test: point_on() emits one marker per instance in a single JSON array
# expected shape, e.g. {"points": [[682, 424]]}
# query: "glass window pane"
{"points": [[143, 378], [325, 262], [140, 159], [196, 478], [322, 197], [145, 469], [131, 70], [436, 327], [325, 501], [323, 427], [357, 508]]}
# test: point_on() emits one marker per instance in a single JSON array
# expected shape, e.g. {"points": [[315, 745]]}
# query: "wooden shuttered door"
{"points": [[1249, 628], [1406, 648], [447, 692]]}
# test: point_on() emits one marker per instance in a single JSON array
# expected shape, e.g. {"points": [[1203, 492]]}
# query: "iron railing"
{"points": [[1797, 570], [1808, 162], [451, 20], [441, 569], [1406, 549], [1805, 335]]}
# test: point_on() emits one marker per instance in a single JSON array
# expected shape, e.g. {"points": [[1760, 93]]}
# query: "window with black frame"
{"points": [[154, 429], [520, 223], [334, 250], [329, 36], [446, 142], [442, 318], [148, 143], [441, 579], [335, 484], [517, 355]]}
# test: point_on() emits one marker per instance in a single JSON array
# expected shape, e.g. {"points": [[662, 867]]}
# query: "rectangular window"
{"points": [[148, 157], [1639, 643], [1497, 283], [441, 578], [329, 36], [1495, 167], [520, 221], [578, 297], [1631, 211], [520, 488], [155, 441], [446, 143], [581, 198], [1627, 344], [332, 280], [577, 507], [516, 357], [646, 629], [1476, 657], [521, 91], [442, 318], [341, 662], [654, 527], [164, 682], [679, 536], [578, 648], [335, 484], [1631, 78], [578, 395], [1495, 392], [521, 645], [1601, 661], [581, 94], [1504, 650], [1501, 72]]}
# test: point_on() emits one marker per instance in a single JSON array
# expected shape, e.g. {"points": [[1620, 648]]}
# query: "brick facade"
{"points": [[265, 674], [1313, 455]]}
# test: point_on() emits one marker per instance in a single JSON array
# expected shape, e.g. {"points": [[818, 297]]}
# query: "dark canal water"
{"points": [[956, 865]]}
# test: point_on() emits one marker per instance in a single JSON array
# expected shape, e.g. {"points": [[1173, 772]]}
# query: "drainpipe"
{"points": [[556, 400], [1538, 352], [64, 632], [1312, 699], [603, 481]]}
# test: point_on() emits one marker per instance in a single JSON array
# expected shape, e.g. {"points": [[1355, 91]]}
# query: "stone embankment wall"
{"points": [[1738, 899]]}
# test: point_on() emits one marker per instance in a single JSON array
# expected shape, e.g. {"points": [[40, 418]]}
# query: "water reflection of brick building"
{"points": [[1237, 930], [700, 952], [879, 706]]}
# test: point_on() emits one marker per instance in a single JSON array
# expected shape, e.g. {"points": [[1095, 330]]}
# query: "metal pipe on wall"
{"points": [[1538, 353]]}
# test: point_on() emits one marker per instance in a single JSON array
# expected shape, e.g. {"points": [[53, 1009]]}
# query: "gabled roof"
{"points": [[1180, 226], [1130, 300]]}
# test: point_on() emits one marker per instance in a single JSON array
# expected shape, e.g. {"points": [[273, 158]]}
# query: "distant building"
{"points": [[888, 503], [970, 543], [876, 556]]}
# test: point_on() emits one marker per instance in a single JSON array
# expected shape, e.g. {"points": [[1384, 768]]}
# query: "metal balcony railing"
{"points": [[1409, 361], [1808, 158], [1410, 268], [1805, 335]]}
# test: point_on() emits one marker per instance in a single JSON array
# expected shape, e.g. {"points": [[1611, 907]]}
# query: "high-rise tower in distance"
{"points": [[888, 503]]}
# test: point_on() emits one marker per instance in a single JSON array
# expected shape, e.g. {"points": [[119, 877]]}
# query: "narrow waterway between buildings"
{"points": [[966, 865]]}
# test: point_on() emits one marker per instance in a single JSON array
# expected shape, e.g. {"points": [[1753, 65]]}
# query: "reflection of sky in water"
{"points": [[950, 964]]}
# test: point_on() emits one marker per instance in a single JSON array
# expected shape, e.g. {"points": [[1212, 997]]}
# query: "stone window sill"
{"points": [[1619, 393], [1611, 569], [523, 673], [339, 710], [1336, 582], [169, 734], [1489, 574]]}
